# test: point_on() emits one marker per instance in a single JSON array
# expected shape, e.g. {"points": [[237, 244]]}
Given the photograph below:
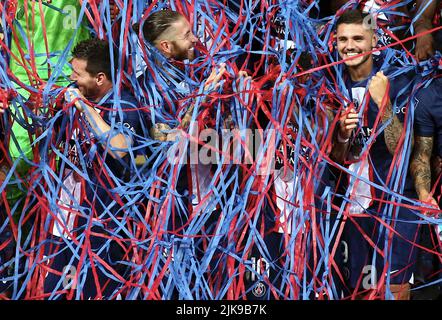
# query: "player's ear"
{"points": [[374, 40], [165, 46], [100, 78]]}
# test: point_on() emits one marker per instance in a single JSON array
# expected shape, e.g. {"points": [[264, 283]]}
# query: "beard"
{"points": [[181, 54], [88, 93]]}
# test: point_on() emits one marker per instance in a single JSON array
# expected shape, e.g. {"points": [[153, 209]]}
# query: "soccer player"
{"points": [[88, 215], [426, 168], [371, 106]]}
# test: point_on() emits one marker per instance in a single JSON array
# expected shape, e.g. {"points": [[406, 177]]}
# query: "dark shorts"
{"points": [[251, 270], [365, 259], [64, 266]]}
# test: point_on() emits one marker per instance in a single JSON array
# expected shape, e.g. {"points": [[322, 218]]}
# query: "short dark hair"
{"points": [[158, 22], [97, 55], [353, 16]]}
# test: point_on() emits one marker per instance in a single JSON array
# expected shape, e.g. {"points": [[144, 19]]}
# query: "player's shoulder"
{"points": [[399, 75], [402, 80], [430, 95], [435, 86], [128, 98]]}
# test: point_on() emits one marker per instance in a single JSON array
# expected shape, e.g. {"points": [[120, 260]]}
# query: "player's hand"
{"points": [[378, 87], [215, 77], [348, 122], [73, 93], [244, 91], [424, 47], [242, 75], [428, 199], [160, 131]]}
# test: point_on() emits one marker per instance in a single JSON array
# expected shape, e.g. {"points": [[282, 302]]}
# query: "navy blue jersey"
{"points": [[95, 195], [376, 166], [428, 113], [295, 168], [90, 155], [362, 270], [123, 117], [163, 95]]}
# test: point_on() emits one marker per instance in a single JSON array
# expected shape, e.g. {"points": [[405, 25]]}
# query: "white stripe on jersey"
{"points": [[360, 194], [65, 219], [286, 199]]}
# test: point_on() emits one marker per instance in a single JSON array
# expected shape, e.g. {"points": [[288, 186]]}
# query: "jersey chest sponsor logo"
{"points": [[363, 135], [74, 156], [286, 148]]}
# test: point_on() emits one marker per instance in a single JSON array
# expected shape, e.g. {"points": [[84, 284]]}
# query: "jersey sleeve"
{"points": [[401, 88], [131, 114], [128, 120], [424, 125]]}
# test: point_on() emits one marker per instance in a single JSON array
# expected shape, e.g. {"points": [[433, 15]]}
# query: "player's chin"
{"points": [[86, 93], [191, 54], [354, 62]]}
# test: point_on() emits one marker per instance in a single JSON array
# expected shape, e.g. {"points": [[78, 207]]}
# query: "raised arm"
{"points": [[378, 89], [425, 43], [119, 141], [159, 131], [341, 140]]}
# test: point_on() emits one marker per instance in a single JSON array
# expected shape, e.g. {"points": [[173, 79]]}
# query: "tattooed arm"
{"points": [[163, 132], [420, 168], [158, 131], [99, 125], [392, 133]]}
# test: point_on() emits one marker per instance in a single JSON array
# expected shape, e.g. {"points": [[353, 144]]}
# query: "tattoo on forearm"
{"points": [[187, 117], [157, 134], [186, 120], [420, 163], [393, 131]]}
